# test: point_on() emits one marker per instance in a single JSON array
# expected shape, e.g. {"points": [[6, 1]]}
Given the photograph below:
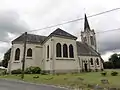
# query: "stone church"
{"points": [[60, 52]]}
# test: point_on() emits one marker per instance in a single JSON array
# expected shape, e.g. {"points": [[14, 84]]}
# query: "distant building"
{"points": [[59, 52]]}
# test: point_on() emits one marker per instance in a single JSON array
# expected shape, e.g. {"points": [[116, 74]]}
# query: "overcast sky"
{"points": [[18, 16]]}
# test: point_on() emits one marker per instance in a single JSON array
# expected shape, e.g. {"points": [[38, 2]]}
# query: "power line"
{"points": [[4, 41], [116, 29], [74, 20], [105, 31]]}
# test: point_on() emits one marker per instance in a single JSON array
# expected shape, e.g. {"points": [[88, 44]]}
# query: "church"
{"points": [[59, 52]]}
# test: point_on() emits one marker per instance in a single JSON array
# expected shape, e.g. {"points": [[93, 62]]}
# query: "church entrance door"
{"points": [[86, 69]]}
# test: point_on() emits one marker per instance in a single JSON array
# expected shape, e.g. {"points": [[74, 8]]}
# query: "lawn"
{"points": [[74, 80]]}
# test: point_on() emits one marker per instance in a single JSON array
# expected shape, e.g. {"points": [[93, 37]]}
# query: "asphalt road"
{"points": [[14, 85]]}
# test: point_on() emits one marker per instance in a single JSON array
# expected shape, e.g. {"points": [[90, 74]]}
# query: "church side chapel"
{"points": [[60, 52]]}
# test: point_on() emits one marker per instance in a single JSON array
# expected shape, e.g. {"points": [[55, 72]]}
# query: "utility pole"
{"points": [[24, 53]]}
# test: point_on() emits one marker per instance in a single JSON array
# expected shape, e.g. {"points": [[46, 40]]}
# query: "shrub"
{"points": [[102, 69], [104, 73], [33, 70], [17, 71], [114, 73], [35, 76], [96, 70], [4, 72]]}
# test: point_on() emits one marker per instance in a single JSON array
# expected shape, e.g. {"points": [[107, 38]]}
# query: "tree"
{"points": [[6, 58], [107, 65], [115, 60]]}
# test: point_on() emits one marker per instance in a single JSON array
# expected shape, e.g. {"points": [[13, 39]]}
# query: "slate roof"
{"points": [[60, 32], [85, 50], [39, 39], [86, 24], [30, 38]]}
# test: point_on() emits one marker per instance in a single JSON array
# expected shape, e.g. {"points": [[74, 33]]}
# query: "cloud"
{"points": [[10, 27], [11, 23], [19, 16]]}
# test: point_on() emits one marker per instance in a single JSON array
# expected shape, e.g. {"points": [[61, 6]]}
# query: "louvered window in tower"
{"points": [[92, 40]]}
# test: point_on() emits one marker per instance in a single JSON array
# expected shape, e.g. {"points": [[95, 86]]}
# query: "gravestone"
{"points": [[104, 81]]}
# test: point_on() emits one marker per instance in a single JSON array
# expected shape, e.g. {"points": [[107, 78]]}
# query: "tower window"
{"points": [[85, 39], [91, 39], [65, 51]]}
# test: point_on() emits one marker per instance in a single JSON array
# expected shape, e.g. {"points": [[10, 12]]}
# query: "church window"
{"points": [[91, 39], [97, 61], [17, 54], [71, 51], [58, 50], [91, 60], [48, 51], [65, 51], [29, 52], [85, 39]]}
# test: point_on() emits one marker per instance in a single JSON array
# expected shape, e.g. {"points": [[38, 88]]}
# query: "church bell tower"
{"points": [[88, 35]]}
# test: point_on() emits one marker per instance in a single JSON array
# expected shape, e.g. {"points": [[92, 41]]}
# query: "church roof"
{"points": [[86, 24], [60, 32], [85, 50], [30, 38]]}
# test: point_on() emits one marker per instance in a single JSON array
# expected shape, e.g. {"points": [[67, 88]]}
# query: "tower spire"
{"points": [[86, 24]]}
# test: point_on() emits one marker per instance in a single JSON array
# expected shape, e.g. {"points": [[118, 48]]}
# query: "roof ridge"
{"points": [[60, 32], [35, 34]]}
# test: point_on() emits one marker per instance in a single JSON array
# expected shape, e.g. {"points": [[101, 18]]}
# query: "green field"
{"points": [[73, 80]]}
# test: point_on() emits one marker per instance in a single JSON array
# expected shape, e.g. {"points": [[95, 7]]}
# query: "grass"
{"points": [[74, 80]]}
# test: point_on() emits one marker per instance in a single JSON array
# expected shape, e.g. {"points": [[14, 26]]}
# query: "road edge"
{"points": [[22, 81]]}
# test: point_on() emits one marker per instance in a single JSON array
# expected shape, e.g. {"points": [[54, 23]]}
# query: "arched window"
{"points": [[85, 39], [58, 50], [91, 60], [29, 52], [97, 61], [65, 51], [48, 51], [71, 52], [17, 54], [91, 39]]}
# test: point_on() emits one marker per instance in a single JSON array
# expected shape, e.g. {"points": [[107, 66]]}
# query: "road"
{"points": [[14, 85]]}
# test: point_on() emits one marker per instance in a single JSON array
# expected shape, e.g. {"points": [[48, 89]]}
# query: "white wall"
{"points": [[35, 60], [47, 62], [94, 66], [64, 63]]}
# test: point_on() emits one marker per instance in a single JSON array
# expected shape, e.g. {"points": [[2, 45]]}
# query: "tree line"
{"points": [[113, 62]]}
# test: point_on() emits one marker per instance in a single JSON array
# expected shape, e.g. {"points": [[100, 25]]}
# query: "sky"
{"points": [[19, 16]]}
